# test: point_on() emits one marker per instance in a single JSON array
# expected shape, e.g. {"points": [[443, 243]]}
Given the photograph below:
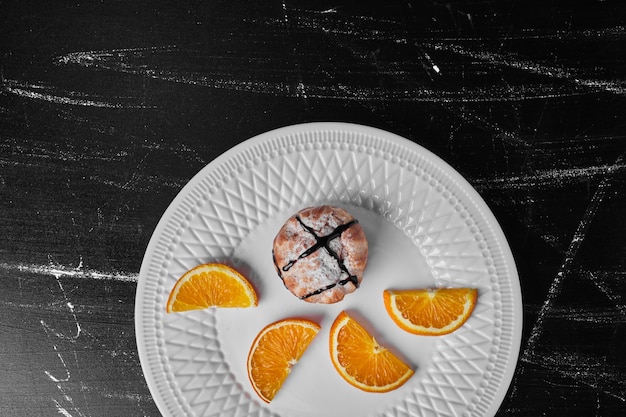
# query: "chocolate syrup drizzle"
{"points": [[322, 242]]}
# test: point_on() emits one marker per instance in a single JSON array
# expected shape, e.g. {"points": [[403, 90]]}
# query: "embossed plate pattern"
{"points": [[426, 226]]}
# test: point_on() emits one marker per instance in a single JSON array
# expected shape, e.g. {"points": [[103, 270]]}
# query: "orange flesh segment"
{"points": [[435, 311], [211, 285], [361, 361], [275, 350]]}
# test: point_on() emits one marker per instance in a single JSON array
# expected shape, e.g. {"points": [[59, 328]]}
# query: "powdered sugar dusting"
{"points": [[324, 221]]}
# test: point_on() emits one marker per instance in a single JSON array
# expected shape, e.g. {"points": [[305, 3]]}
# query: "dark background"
{"points": [[107, 109]]}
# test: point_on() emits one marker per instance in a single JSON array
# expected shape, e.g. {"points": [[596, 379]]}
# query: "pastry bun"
{"points": [[320, 254]]}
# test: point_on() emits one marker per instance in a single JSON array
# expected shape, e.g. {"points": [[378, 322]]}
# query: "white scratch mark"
{"points": [[550, 177], [60, 381], [58, 99], [431, 64], [564, 269], [118, 60], [93, 58], [602, 34], [285, 18], [67, 377], [72, 338], [61, 410], [513, 61], [598, 280], [52, 95], [582, 369], [63, 271], [301, 90]]}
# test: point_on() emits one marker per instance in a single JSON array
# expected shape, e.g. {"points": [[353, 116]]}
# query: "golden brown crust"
{"points": [[320, 253]]}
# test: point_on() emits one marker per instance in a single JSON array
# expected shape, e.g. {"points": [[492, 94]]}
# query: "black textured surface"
{"points": [[108, 108]]}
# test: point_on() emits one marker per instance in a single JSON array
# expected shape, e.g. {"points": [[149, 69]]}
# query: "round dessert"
{"points": [[320, 253]]}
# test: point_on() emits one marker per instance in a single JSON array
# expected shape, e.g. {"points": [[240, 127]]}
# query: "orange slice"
{"points": [[275, 350], [434, 311], [211, 285], [361, 361]]}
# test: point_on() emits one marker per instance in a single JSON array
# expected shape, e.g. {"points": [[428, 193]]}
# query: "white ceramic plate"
{"points": [[426, 226]]}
